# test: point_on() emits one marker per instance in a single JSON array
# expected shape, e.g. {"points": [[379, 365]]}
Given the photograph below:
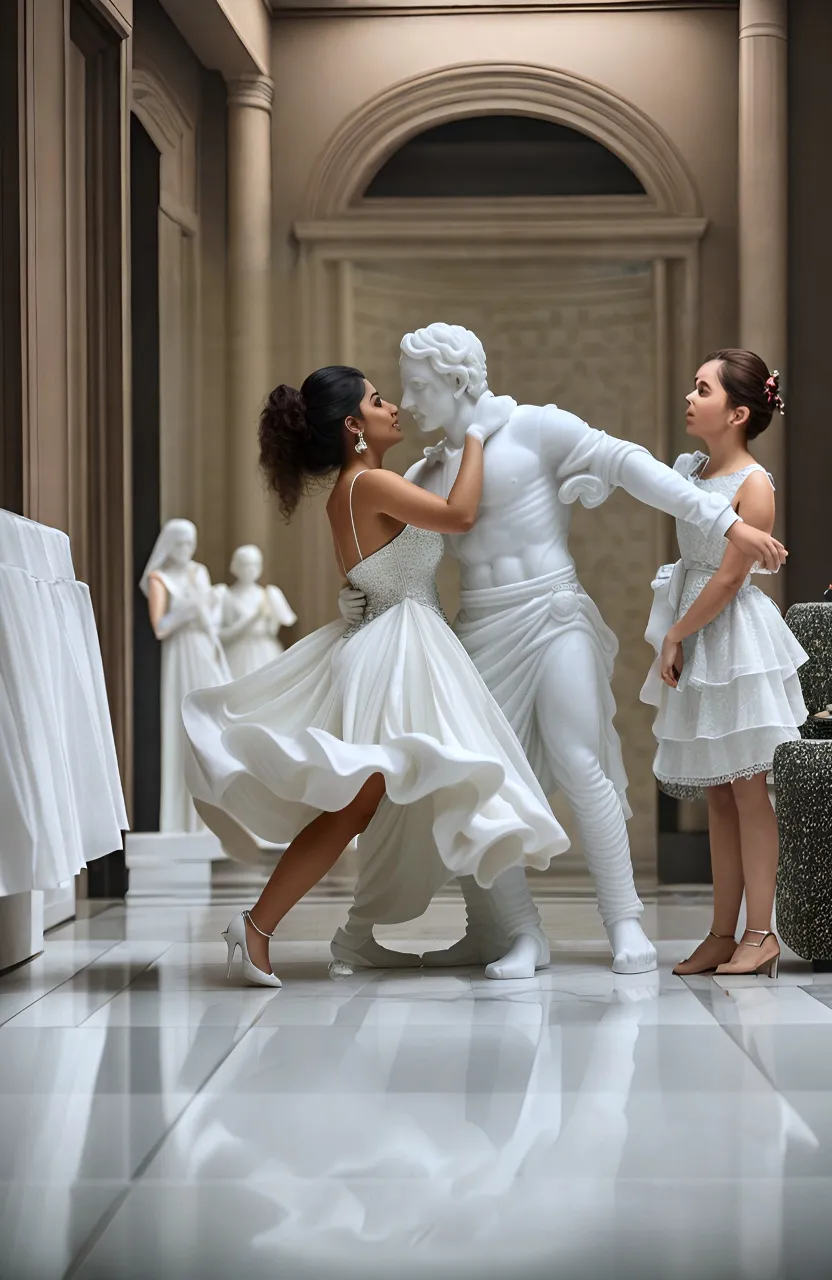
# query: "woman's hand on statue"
{"points": [[493, 412], [756, 544], [351, 604], [671, 659]]}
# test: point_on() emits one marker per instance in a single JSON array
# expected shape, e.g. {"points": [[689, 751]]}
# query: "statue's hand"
{"points": [[766, 550], [493, 412], [351, 604]]}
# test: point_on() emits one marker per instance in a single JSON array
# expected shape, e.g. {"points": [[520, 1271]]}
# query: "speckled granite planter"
{"points": [[812, 625], [803, 783]]}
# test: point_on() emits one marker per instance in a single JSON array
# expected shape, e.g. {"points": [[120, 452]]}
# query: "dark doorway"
{"points": [[493, 157], [11, 407], [684, 856], [147, 656], [101, 463]]}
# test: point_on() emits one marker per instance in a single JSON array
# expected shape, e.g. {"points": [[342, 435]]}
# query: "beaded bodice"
{"points": [[403, 569]]}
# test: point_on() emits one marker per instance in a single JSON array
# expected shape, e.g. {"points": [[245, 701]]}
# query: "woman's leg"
{"points": [[726, 871], [307, 859]]}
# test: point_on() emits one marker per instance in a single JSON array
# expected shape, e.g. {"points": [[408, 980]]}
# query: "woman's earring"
{"points": [[361, 443]]}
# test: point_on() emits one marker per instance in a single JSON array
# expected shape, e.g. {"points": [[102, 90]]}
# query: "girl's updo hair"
{"points": [[747, 381], [302, 432]]}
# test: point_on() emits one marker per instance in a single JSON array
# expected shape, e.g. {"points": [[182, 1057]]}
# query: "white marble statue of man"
{"points": [[540, 645]]}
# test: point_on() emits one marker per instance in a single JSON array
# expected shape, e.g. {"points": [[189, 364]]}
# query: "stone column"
{"points": [[250, 373], [763, 178]]}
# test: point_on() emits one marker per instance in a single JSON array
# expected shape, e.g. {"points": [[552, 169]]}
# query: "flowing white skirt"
{"points": [[738, 697], [400, 697]]}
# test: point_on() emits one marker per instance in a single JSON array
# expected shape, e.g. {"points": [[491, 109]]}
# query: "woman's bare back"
{"points": [[361, 531]]}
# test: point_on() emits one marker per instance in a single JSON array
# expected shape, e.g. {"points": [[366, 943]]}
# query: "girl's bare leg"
{"points": [[726, 871], [726, 858], [760, 853], [308, 858]]}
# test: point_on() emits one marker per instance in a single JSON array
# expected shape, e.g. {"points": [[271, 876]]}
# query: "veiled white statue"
{"points": [[184, 613], [251, 615]]}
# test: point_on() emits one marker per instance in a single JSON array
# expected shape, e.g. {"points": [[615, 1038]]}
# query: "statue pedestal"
{"points": [[192, 867], [171, 865], [235, 882]]}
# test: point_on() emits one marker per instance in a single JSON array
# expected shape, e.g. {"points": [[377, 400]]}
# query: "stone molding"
{"points": [[251, 91], [174, 135], [368, 137]]}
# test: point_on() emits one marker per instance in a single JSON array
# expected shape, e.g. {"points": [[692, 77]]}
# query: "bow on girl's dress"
{"points": [[667, 593]]}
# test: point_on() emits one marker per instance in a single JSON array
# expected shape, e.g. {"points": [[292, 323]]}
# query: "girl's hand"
{"points": [[671, 659]]}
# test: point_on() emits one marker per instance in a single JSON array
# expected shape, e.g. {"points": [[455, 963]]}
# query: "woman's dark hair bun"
{"points": [[302, 432], [746, 380], [289, 405]]}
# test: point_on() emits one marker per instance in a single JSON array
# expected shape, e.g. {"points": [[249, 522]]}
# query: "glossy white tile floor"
{"points": [[158, 1122]]}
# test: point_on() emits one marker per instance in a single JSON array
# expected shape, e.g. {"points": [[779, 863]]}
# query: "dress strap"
{"points": [[352, 517], [757, 466]]}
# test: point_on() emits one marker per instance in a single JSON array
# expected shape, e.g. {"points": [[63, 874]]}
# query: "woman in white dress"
{"points": [[251, 615], [183, 613], [728, 664], [387, 711]]}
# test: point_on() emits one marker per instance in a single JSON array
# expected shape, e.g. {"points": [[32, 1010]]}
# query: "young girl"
{"points": [[728, 666]]}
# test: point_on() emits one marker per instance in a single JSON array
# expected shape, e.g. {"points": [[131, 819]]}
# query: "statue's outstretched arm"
{"points": [[589, 464]]}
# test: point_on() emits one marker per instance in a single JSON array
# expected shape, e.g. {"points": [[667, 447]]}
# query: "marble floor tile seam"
{"points": [[137, 1175], [734, 1032], [109, 996], [272, 1180], [41, 995]]}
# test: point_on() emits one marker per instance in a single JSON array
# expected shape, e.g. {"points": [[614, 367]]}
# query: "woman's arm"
{"points": [[404, 501], [756, 504], [409, 503]]}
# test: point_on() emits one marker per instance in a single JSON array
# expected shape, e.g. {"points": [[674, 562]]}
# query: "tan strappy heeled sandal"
{"points": [[764, 968], [682, 972]]}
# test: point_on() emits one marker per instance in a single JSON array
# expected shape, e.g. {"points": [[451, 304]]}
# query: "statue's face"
{"points": [[248, 565], [429, 397], [182, 550]]}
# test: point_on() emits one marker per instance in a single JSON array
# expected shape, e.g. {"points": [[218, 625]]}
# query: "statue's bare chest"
{"points": [[511, 471]]}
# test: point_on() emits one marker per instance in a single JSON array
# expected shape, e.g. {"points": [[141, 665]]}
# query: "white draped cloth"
{"points": [[507, 630], [61, 798]]}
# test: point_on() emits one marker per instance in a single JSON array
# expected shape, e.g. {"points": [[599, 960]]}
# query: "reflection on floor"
{"points": [[156, 1121]]}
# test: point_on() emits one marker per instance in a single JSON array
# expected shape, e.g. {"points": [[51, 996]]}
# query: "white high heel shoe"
{"points": [[235, 936]]}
